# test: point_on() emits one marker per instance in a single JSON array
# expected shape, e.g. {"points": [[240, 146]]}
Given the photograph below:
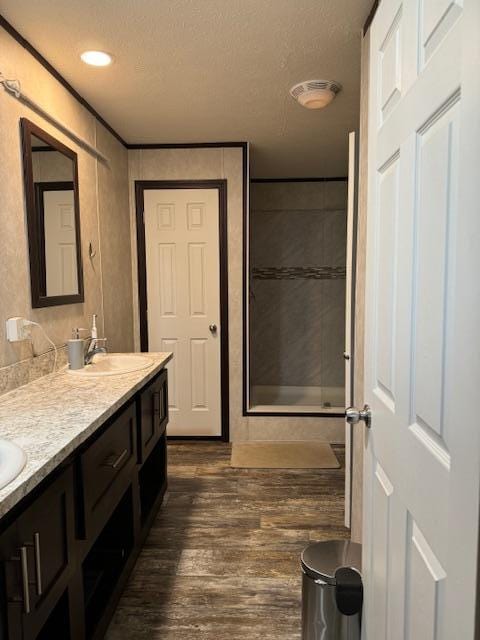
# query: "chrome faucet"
{"points": [[93, 349]]}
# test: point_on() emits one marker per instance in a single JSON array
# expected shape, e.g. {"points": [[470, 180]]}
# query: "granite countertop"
{"points": [[50, 417]]}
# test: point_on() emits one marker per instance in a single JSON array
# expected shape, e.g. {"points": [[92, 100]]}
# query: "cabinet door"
{"points": [[153, 404], [14, 589], [36, 554], [47, 530]]}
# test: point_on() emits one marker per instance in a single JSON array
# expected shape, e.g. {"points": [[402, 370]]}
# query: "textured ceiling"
{"points": [[211, 70]]}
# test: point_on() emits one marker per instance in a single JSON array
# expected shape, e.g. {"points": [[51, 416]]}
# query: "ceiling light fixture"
{"points": [[96, 58], [315, 94]]}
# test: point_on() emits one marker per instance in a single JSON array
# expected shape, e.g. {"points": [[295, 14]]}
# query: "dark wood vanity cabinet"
{"points": [[67, 550]]}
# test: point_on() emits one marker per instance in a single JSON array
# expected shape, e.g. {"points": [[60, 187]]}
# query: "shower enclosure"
{"points": [[296, 296]]}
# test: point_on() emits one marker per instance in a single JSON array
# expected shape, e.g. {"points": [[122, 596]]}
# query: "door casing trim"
{"points": [[221, 186]]}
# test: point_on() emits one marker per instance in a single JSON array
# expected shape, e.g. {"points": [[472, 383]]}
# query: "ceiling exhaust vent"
{"points": [[315, 94]]}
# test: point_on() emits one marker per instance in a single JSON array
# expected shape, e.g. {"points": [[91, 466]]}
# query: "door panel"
{"points": [[60, 243], [436, 178], [386, 280], [197, 279], [425, 576], [167, 277], [437, 17], [418, 446], [183, 291]]}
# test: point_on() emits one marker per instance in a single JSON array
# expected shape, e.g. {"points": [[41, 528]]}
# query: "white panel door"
{"points": [[60, 243], [423, 320], [183, 293]]}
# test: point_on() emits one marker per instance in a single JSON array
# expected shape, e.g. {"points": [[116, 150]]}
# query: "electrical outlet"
{"points": [[16, 329]]}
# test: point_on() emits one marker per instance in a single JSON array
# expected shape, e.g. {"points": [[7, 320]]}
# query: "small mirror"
{"points": [[53, 218]]}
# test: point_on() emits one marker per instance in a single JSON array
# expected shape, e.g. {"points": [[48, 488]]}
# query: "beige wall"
{"points": [[51, 166], [226, 163], [359, 400], [103, 210], [115, 251]]}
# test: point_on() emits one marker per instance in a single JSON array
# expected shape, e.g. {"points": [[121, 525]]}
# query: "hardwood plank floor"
{"points": [[222, 559]]}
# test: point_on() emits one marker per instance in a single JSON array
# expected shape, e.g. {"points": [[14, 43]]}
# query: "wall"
{"points": [[297, 224], [115, 245], [104, 222], [224, 163], [51, 166]]}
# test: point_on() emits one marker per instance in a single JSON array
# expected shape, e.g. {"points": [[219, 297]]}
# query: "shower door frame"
{"points": [[247, 410]]}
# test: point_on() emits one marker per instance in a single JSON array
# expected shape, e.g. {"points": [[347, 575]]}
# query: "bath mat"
{"points": [[283, 455]]}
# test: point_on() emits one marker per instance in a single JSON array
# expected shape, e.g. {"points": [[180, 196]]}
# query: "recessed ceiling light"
{"points": [[96, 58]]}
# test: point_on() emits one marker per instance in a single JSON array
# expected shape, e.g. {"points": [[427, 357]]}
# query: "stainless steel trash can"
{"points": [[332, 592]]}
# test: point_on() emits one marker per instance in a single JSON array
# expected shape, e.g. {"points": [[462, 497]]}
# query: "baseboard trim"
{"points": [[197, 438]]}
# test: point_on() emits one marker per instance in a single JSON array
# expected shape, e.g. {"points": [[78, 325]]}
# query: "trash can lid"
{"points": [[321, 559]]}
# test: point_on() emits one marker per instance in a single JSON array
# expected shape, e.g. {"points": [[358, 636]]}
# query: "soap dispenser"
{"points": [[76, 354]]}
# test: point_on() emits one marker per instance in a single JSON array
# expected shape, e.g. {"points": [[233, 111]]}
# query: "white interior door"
{"points": [[60, 243], [349, 286], [423, 318], [183, 293]]}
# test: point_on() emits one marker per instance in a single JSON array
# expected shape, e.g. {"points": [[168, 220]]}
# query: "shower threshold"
{"points": [[297, 399]]}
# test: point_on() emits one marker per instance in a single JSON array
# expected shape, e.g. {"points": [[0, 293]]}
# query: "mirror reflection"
{"points": [[53, 218], [54, 201]]}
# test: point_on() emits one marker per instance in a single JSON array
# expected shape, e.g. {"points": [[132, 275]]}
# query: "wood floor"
{"points": [[222, 558]]}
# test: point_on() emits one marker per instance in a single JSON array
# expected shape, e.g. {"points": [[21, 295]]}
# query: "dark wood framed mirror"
{"points": [[53, 218]]}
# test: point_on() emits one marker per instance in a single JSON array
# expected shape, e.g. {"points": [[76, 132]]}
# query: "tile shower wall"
{"points": [[104, 214], [297, 283]]}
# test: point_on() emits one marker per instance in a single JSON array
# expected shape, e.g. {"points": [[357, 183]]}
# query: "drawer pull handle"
{"points": [[23, 559], [156, 403], [24, 565], [113, 462], [38, 563]]}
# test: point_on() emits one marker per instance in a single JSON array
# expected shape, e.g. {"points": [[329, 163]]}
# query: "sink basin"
{"points": [[12, 461], [113, 364]]}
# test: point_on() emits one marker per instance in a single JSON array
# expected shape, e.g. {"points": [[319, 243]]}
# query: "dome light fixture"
{"points": [[96, 58], [315, 94]]}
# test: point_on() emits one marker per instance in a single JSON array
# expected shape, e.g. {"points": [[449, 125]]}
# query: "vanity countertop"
{"points": [[50, 417]]}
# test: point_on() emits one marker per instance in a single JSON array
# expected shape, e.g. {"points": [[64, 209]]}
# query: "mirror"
{"points": [[53, 218]]}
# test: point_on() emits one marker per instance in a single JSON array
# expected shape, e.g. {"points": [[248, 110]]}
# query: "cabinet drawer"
{"points": [[153, 414], [37, 554], [106, 469]]}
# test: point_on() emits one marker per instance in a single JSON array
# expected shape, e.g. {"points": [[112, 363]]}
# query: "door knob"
{"points": [[354, 415], [213, 328]]}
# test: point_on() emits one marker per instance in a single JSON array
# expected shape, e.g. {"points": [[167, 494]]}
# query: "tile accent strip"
{"points": [[299, 273]]}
